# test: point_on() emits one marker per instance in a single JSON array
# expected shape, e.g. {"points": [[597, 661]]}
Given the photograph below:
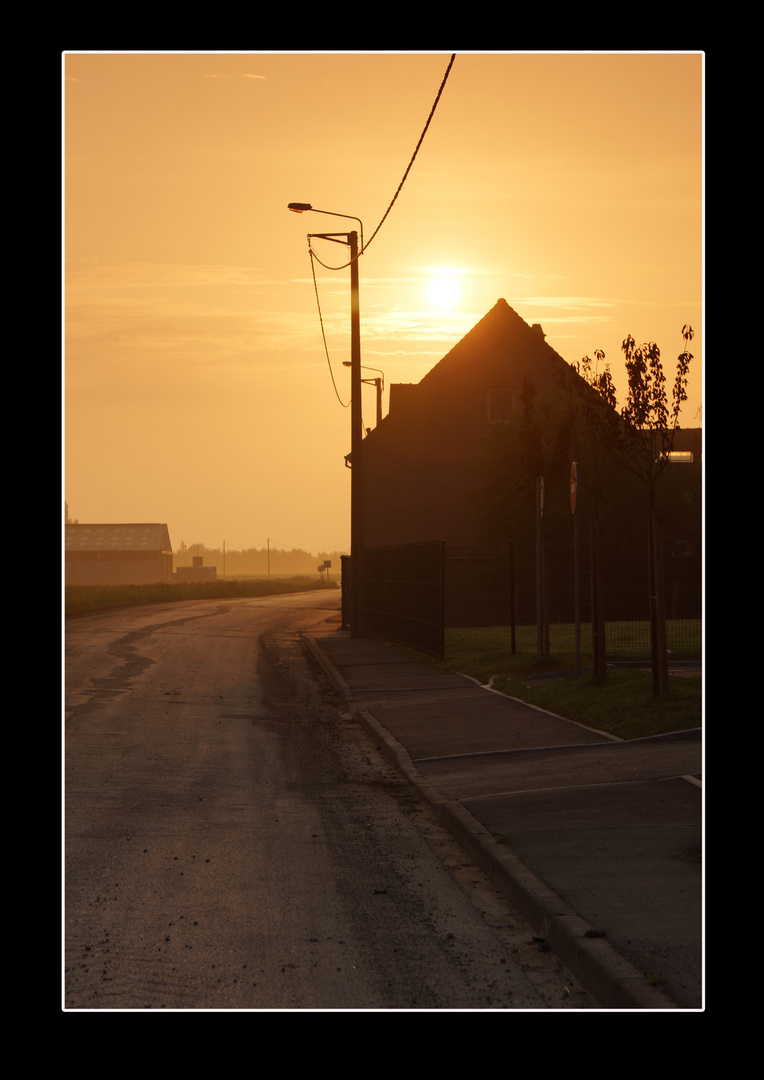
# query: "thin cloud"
{"points": [[574, 302]]}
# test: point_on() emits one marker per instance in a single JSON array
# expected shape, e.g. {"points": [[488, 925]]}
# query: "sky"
{"points": [[197, 387]]}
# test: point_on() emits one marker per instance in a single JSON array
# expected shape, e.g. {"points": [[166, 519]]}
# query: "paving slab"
{"points": [[626, 857], [472, 722], [598, 840], [573, 766]]}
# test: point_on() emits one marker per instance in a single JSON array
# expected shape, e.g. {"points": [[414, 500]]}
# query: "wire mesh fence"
{"points": [[403, 594], [505, 601]]}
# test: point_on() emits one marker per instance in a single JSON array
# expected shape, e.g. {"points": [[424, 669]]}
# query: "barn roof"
{"points": [[129, 537]]}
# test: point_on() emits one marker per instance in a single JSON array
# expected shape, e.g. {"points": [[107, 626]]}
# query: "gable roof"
{"points": [[501, 351], [128, 537], [501, 336]]}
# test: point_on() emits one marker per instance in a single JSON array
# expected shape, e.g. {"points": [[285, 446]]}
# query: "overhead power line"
{"points": [[344, 404], [405, 175], [416, 151], [315, 259]]}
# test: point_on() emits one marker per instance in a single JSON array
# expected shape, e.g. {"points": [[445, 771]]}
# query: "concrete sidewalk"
{"points": [[597, 842]]}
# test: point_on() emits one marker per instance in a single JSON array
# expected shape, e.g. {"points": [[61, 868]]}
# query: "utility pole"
{"points": [[356, 447], [356, 418]]}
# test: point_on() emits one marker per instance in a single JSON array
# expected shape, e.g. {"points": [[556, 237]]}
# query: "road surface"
{"points": [[234, 841]]}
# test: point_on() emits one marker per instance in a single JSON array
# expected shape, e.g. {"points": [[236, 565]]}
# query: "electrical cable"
{"points": [[323, 334], [405, 175], [315, 257], [416, 151]]}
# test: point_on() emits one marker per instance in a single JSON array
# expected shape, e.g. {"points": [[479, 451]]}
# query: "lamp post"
{"points": [[356, 418]]}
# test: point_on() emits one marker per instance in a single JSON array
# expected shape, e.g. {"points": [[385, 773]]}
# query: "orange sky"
{"points": [[197, 390]]}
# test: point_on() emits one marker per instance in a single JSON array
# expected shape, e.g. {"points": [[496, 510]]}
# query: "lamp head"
{"points": [[298, 207]]}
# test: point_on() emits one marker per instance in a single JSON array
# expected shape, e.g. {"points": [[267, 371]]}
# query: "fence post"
{"points": [[545, 595], [345, 578], [658, 609], [512, 638], [442, 588], [598, 618], [576, 563], [539, 579]]}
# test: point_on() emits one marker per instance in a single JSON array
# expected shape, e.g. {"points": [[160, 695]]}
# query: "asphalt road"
{"points": [[234, 841]]}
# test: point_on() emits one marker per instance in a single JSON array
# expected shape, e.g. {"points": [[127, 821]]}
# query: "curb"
{"points": [[610, 978]]}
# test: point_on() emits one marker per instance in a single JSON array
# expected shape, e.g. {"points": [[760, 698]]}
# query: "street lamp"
{"points": [[356, 417], [301, 207], [378, 383]]}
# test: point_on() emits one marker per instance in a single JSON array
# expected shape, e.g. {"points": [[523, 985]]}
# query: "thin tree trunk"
{"points": [[660, 653]]}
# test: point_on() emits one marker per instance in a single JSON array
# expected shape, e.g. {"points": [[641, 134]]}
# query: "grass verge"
{"points": [[83, 599], [624, 705], [488, 648]]}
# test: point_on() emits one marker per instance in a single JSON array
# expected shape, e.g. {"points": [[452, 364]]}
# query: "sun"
{"points": [[443, 291]]}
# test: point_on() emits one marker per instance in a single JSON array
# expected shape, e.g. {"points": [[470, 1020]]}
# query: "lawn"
{"points": [[624, 705]]}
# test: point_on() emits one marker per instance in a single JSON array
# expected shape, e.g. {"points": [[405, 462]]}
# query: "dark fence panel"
{"points": [[403, 594], [485, 589], [478, 588], [481, 592], [413, 592]]}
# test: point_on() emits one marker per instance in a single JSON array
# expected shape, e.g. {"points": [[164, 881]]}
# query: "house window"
{"points": [[501, 406], [681, 457]]}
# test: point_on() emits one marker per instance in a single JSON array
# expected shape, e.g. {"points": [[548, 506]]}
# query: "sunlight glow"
{"points": [[443, 292], [193, 320]]}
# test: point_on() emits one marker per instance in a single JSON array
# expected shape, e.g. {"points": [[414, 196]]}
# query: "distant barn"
{"points": [[117, 554]]}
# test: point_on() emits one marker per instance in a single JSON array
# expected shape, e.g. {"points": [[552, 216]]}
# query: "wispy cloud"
{"points": [[575, 303], [246, 75]]}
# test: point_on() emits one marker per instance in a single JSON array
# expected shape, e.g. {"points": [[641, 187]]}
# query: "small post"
{"points": [[539, 572], [576, 561], [513, 642], [661, 675]]}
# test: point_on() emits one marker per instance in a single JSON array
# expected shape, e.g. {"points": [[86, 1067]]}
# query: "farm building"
{"points": [[197, 572], [130, 554]]}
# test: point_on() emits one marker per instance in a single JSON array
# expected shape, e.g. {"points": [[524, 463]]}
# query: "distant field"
{"points": [[81, 599]]}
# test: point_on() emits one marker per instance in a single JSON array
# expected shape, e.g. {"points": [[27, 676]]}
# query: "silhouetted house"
{"points": [[422, 463], [117, 554]]}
